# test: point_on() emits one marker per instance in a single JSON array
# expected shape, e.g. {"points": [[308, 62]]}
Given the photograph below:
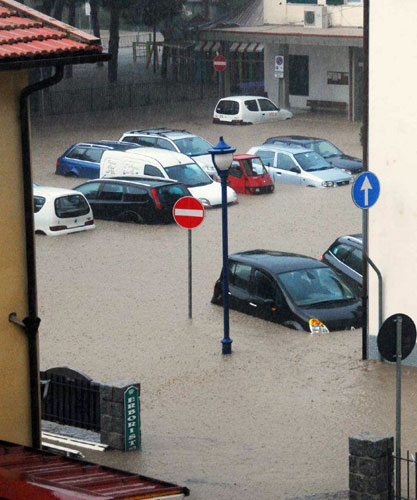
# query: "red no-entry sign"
{"points": [[219, 63], [188, 212]]}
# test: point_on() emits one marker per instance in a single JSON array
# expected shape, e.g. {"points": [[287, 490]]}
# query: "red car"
{"points": [[248, 175]]}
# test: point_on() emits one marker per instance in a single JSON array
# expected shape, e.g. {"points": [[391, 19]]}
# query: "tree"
{"points": [[228, 6], [116, 7]]}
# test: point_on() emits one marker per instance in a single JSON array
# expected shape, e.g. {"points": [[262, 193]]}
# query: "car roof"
{"points": [[52, 192], [289, 148], [352, 238], [165, 156], [244, 157], [163, 132], [277, 262], [243, 97], [143, 181], [298, 138], [105, 144]]}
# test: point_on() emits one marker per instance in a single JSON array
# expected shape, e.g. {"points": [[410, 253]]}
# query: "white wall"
{"points": [[321, 60], [392, 156], [349, 15]]}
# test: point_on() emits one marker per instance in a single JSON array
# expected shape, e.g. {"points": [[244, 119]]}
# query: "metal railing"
{"points": [[408, 477]]}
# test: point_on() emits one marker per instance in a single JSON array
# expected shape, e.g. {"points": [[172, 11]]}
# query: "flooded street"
{"points": [[272, 420]]}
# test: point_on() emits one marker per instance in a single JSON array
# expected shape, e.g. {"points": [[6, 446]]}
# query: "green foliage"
{"points": [[228, 6], [156, 12]]}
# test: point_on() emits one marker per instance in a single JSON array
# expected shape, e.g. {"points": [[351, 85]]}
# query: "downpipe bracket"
{"points": [[30, 325]]}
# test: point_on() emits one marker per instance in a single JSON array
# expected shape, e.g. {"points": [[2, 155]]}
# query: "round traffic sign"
{"points": [[387, 337], [365, 190], [188, 212], [219, 63]]}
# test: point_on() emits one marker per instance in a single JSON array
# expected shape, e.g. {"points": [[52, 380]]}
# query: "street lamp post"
{"points": [[222, 155]]}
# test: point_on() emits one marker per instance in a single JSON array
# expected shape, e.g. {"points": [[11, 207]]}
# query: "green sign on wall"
{"points": [[132, 418]]}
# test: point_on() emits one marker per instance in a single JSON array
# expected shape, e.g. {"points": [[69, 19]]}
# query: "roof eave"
{"points": [[19, 64]]}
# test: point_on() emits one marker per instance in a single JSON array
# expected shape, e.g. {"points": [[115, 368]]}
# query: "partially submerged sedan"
{"points": [[299, 292]]}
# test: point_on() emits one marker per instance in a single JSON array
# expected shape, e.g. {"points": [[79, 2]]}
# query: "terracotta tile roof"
{"points": [[26, 34]]}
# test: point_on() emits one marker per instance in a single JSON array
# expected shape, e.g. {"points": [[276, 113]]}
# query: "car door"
{"points": [[251, 112], [239, 279], [90, 190], [90, 167], [287, 171], [110, 200], [236, 178], [73, 163], [268, 110], [265, 298], [136, 200]]}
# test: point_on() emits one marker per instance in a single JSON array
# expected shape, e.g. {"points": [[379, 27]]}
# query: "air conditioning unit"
{"points": [[316, 17]]}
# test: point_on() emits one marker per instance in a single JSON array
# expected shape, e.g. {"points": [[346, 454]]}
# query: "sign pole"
{"points": [[398, 321], [190, 276]]}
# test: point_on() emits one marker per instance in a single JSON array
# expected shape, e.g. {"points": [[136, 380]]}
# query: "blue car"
{"points": [[83, 159]]}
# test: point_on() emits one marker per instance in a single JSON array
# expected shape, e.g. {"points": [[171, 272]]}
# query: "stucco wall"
{"points": [[321, 60], [15, 415], [392, 156], [282, 13]]}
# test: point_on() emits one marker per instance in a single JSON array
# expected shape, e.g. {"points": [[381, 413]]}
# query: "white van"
{"points": [[61, 211], [167, 164]]}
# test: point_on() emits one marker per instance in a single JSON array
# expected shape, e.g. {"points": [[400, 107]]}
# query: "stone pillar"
{"points": [[371, 470], [118, 419]]}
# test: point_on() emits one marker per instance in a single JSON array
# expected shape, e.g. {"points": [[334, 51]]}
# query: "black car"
{"points": [[298, 291], [345, 256], [324, 148], [133, 199]]}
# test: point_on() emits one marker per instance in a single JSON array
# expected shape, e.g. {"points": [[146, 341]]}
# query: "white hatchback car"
{"points": [[61, 211], [248, 109]]}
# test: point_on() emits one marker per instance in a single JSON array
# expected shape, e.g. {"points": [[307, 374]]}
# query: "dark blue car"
{"points": [[324, 148], [83, 159]]}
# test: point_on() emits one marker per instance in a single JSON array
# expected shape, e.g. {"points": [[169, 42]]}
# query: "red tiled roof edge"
{"points": [[70, 30]]}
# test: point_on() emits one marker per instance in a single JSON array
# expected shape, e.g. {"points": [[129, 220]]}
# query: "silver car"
{"points": [[298, 165]]}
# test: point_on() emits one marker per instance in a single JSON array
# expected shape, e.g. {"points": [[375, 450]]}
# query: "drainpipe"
{"points": [[31, 323]]}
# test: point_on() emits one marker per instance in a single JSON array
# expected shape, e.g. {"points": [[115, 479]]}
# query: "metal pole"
{"points": [[399, 321], [190, 276], [365, 288], [226, 341]]}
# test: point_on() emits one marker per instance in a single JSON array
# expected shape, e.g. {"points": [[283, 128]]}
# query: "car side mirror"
{"points": [[295, 170]]}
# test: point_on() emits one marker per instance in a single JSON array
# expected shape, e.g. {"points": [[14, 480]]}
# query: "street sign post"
{"points": [[188, 213], [279, 67], [396, 340], [365, 193], [219, 63]]}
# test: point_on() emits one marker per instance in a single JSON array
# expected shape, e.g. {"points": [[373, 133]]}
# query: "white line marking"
{"points": [[189, 213]]}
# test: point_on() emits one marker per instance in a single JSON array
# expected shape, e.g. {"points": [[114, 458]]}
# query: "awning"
{"points": [[207, 46], [246, 47]]}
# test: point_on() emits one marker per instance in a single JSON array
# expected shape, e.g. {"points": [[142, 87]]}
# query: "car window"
{"points": [[354, 260], [142, 141], [235, 170], [193, 146], [135, 194], [93, 154], [258, 166], [240, 275], [267, 105], [285, 162], [340, 250], [38, 203], [252, 105], [77, 153], [324, 148], [170, 194], [73, 205], [190, 174], [228, 107], [164, 144], [111, 192], [89, 190], [311, 161], [267, 157], [264, 287], [253, 167], [151, 170]]}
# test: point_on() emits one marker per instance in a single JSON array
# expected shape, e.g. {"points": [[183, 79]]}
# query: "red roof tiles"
{"points": [[26, 33]]}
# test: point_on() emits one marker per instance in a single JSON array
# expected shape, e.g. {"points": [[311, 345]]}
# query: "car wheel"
{"points": [[130, 217], [217, 298], [293, 325], [71, 174]]}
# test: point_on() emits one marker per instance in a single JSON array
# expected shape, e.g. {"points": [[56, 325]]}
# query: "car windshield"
{"points": [[193, 146], [253, 167], [191, 175], [315, 287], [312, 161], [324, 148]]}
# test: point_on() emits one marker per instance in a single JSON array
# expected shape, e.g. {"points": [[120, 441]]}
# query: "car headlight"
{"points": [[205, 202], [316, 326], [328, 184], [346, 171]]}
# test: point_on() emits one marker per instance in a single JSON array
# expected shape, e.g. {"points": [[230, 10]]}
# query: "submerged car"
{"points": [[60, 211], [296, 165], [175, 140], [324, 148], [249, 109], [248, 175], [83, 159], [299, 292], [345, 256], [141, 200]]}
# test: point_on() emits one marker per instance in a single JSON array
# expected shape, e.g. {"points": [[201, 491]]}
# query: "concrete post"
{"points": [[371, 471], [114, 415]]}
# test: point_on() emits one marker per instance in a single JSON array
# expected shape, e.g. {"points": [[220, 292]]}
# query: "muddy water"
{"points": [[271, 421]]}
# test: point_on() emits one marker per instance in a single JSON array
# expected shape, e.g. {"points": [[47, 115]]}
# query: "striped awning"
{"points": [[207, 46], [246, 47]]}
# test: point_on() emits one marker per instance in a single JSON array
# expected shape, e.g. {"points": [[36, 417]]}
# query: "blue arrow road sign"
{"points": [[365, 190]]}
